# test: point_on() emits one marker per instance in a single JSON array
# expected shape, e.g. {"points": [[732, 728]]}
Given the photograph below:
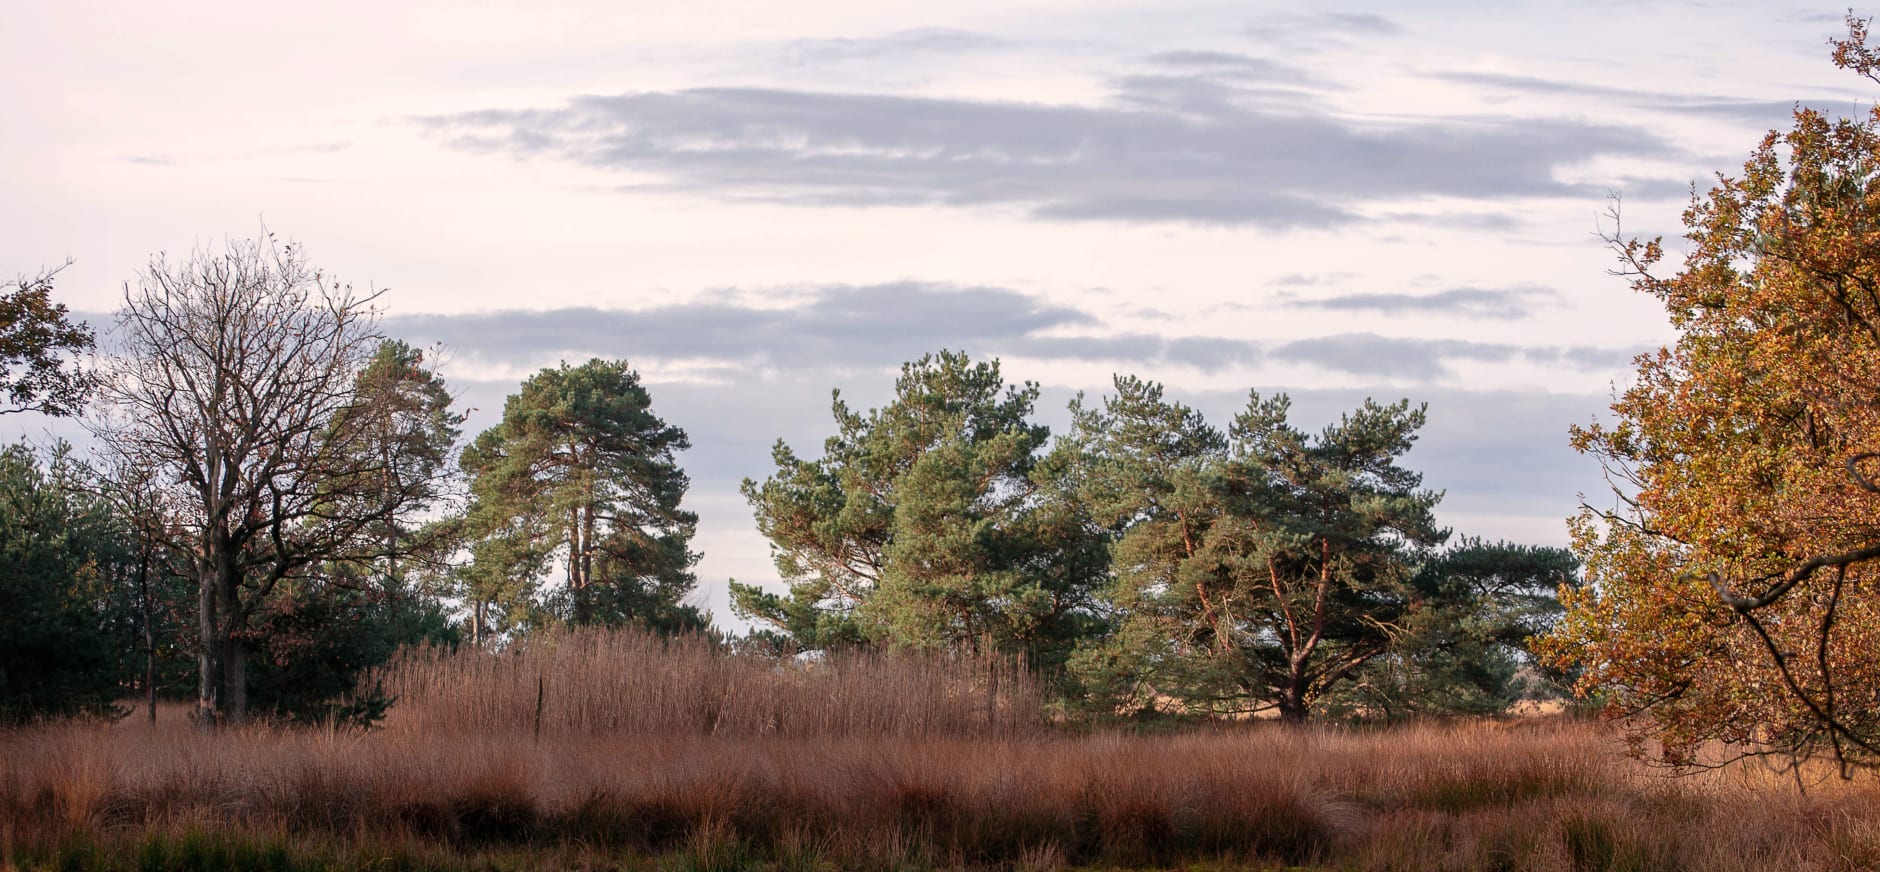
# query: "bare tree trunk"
{"points": [[234, 707], [208, 659], [150, 632], [235, 681], [237, 386]]}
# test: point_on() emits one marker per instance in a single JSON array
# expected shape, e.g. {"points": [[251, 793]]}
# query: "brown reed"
{"points": [[599, 681], [778, 776]]}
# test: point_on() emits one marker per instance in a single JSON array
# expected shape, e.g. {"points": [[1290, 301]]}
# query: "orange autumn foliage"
{"points": [[1735, 594]]}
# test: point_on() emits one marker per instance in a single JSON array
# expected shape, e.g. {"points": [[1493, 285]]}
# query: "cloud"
{"points": [[1319, 31], [897, 45], [839, 326], [1193, 149], [1767, 113], [1305, 279], [852, 327], [1360, 22], [1759, 113], [1503, 304], [1537, 85], [1235, 66], [1371, 355]]}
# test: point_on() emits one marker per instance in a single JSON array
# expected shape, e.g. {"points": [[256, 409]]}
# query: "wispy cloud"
{"points": [[875, 326], [1747, 111], [1235, 66], [1373, 356], [1187, 149], [1311, 32], [1505, 304], [897, 45]]}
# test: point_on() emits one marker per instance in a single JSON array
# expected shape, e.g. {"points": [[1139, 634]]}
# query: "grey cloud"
{"points": [[837, 325], [1483, 221], [1307, 34], [1537, 85], [927, 40], [1303, 279], [329, 147], [1237, 66], [1586, 357], [1816, 16], [877, 326], [1506, 304], [1371, 355], [1765, 113], [1321, 30], [1206, 353], [840, 326], [1203, 97], [1760, 113], [1361, 22], [1167, 149]]}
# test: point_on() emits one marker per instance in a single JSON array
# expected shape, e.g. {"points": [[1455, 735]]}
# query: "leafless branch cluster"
{"points": [[231, 381]]}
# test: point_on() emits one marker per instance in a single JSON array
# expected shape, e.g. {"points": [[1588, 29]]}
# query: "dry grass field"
{"points": [[677, 759]]}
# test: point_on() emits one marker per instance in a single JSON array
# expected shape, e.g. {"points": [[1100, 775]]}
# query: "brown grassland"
{"points": [[648, 756]]}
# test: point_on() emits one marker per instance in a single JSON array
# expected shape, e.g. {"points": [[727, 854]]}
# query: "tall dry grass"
{"points": [[592, 681], [669, 788]]}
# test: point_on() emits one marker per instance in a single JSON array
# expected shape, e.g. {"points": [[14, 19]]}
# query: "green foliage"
{"points": [[1463, 650], [408, 434], [928, 523], [1151, 559], [64, 559], [312, 644], [1258, 569], [583, 474], [318, 640], [1142, 470]]}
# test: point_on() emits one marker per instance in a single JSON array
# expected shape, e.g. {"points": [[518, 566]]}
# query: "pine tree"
{"points": [[582, 473], [927, 523]]}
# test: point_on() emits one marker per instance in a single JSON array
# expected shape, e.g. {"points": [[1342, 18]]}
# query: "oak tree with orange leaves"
{"points": [[1735, 591]]}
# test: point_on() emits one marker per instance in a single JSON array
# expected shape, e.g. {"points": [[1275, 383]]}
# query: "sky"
{"points": [[756, 203]]}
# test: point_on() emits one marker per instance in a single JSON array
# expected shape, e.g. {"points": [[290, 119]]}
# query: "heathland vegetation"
{"points": [[358, 640]]}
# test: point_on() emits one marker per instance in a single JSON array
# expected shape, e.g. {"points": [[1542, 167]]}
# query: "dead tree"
{"points": [[234, 375]]}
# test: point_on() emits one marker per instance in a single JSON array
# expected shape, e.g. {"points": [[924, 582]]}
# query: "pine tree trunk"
{"points": [[1293, 706]]}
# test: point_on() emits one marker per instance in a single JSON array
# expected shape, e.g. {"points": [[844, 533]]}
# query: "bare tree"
{"points": [[234, 374]]}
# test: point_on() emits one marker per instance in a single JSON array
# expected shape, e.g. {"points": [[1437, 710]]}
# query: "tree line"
{"points": [[1147, 560], [281, 496], [279, 501]]}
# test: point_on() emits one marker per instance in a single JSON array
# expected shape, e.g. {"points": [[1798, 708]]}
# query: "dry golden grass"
{"points": [[611, 682], [679, 791]]}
